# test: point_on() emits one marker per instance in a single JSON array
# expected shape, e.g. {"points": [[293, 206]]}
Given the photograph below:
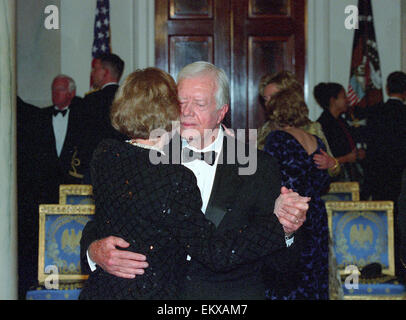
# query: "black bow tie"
{"points": [[189, 155], [57, 111]]}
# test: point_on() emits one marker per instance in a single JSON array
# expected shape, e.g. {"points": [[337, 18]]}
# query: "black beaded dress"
{"points": [[156, 208]]}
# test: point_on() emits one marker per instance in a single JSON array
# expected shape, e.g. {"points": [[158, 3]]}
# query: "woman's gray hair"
{"points": [[71, 82], [195, 69]]}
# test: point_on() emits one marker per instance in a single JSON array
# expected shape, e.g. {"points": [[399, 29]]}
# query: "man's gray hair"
{"points": [[72, 84], [198, 68]]}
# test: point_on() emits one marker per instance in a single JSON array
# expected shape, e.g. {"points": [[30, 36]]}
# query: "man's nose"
{"points": [[187, 108]]}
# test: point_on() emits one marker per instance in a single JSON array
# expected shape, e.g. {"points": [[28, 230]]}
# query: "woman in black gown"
{"points": [[294, 148]]}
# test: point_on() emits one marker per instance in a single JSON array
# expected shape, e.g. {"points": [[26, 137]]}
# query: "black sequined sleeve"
{"points": [[176, 198], [263, 236]]}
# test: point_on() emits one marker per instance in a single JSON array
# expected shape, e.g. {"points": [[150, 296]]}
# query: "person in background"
{"points": [[386, 153], [294, 148], [105, 76], [27, 196], [333, 100], [269, 85], [63, 154]]}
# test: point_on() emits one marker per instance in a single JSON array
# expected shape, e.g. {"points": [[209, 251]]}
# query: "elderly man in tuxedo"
{"points": [[230, 199], [62, 148]]}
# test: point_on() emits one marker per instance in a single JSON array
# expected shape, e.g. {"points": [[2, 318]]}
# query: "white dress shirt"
{"points": [[204, 172], [60, 126]]}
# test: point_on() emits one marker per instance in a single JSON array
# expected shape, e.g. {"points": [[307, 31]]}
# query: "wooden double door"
{"points": [[247, 38]]}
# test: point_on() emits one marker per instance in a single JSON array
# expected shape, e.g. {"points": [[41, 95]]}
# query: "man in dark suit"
{"points": [[231, 193], [63, 153], [386, 152], [27, 178], [105, 75]]}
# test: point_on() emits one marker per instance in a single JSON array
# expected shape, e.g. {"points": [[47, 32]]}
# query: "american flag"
{"points": [[365, 87], [101, 33]]}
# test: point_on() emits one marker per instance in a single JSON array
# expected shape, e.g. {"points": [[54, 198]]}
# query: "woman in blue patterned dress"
{"points": [[295, 148]]}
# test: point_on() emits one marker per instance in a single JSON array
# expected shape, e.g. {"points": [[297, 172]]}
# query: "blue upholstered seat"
{"points": [[342, 191], [76, 194], [362, 233], [59, 268]]}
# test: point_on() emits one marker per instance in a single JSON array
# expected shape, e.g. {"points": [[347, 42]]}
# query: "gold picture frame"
{"points": [[344, 187], [368, 210], [80, 190], [60, 229]]}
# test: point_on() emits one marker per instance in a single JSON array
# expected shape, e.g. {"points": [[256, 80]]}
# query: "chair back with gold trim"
{"points": [[342, 191], [362, 233], [76, 194], [60, 231]]}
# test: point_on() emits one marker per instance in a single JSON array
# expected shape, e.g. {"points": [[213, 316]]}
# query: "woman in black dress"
{"points": [[156, 206], [333, 99]]}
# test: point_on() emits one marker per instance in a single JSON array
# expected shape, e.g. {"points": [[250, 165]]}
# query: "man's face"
{"points": [[98, 74], [341, 102], [198, 110], [61, 96]]}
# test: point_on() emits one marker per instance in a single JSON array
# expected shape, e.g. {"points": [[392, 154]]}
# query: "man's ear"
{"points": [[222, 113]]}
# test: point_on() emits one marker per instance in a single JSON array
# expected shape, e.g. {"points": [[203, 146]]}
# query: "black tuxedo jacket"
{"points": [[73, 162], [401, 222], [98, 105], [386, 149], [235, 201], [335, 135]]}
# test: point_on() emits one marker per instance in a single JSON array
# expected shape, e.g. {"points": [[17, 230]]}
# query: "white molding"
{"points": [[403, 33], [317, 50], [144, 36]]}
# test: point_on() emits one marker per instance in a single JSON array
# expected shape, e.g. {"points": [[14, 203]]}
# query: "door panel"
{"points": [[247, 38]]}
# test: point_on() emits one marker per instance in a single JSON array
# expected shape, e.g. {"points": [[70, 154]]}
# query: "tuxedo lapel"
{"points": [[225, 189], [50, 144]]}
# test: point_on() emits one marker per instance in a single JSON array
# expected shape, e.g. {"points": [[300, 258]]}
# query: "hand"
{"points": [[352, 156], [291, 209], [361, 154], [324, 160], [120, 263]]}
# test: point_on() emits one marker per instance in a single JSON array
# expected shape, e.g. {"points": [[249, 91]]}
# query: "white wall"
{"points": [[38, 52], [330, 43], [8, 170], [77, 20], [403, 30]]}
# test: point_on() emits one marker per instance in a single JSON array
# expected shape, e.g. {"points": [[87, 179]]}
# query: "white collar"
{"points": [[216, 145], [66, 108], [144, 146], [108, 84], [396, 98]]}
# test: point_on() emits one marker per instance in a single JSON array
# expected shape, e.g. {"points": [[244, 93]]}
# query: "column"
{"points": [[8, 187], [317, 51]]}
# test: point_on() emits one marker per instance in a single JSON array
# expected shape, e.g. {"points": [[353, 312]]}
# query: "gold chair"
{"points": [[342, 191], [362, 233], [76, 194], [59, 268]]}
